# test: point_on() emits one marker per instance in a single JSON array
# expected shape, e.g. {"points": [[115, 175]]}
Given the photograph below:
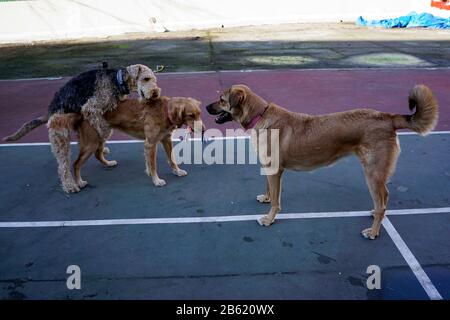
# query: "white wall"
{"points": [[25, 21]]}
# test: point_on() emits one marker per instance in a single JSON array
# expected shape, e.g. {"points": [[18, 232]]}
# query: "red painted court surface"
{"points": [[308, 91]]}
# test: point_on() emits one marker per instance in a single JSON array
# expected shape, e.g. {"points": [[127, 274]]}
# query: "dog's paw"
{"points": [[70, 188], [106, 151], [179, 172], [112, 163], [159, 182], [266, 221], [82, 184], [369, 234], [262, 198]]}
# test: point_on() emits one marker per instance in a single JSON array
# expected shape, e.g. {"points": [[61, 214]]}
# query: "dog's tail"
{"points": [[426, 116], [26, 128]]}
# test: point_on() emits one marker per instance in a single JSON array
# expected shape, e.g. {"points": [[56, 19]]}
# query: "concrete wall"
{"points": [[25, 21]]}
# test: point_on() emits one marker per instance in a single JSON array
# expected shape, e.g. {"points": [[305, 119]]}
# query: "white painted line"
{"points": [[31, 144], [32, 79], [335, 69], [410, 133], [411, 260], [251, 217], [28, 144], [259, 70], [400, 212]]}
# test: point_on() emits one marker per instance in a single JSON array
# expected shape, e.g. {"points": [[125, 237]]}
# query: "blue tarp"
{"points": [[412, 20]]}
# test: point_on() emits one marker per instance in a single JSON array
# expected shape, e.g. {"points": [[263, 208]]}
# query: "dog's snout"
{"points": [[155, 93], [210, 109]]}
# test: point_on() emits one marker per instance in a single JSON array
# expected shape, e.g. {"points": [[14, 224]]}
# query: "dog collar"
{"points": [[123, 85], [255, 119]]}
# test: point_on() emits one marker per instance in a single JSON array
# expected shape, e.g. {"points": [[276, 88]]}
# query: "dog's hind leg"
{"points": [[106, 150], [83, 156], [275, 195], [379, 193], [100, 155], [378, 166], [60, 144]]}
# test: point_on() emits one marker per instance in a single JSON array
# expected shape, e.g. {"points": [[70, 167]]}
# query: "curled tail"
{"points": [[25, 128], [426, 116]]}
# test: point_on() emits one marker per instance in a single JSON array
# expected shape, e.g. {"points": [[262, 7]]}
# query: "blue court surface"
{"points": [[197, 237]]}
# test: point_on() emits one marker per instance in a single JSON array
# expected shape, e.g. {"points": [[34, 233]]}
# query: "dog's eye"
{"points": [[146, 79]]}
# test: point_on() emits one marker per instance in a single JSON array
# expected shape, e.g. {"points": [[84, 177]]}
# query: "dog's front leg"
{"points": [[264, 198], [91, 112], [274, 182], [150, 150], [167, 144]]}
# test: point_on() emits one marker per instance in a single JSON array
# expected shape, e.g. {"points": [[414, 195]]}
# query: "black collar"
{"points": [[121, 83]]}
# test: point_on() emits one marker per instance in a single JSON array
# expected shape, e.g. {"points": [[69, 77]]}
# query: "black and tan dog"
{"points": [[307, 142], [91, 94]]}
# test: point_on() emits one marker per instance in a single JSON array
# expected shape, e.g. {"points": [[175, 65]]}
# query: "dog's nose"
{"points": [[209, 108], [156, 93]]}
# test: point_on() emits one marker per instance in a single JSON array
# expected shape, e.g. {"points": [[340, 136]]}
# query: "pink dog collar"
{"points": [[255, 119]]}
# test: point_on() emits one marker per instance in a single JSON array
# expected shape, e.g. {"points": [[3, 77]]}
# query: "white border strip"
{"points": [[25, 144], [251, 217], [411, 260]]}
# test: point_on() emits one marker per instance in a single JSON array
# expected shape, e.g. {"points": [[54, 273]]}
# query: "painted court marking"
{"points": [[234, 218], [30, 144], [409, 257], [406, 253], [411, 260], [253, 71]]}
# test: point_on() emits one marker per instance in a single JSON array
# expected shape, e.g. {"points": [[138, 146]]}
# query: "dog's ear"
{"points": [[126, 75], [195, 102], [134, 71], [235, 97], [180, 113], [177, 113]]}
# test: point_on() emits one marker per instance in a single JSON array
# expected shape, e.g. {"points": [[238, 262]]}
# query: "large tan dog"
{"points": [[150, 120], [307, 142]]}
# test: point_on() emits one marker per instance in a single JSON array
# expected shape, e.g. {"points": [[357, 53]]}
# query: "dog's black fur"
{"points": [[74, 94]]}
